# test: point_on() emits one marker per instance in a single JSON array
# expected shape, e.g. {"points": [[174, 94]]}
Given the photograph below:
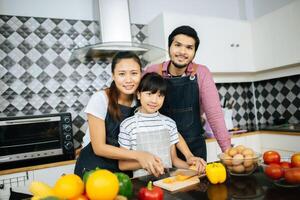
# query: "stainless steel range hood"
{"points": [[115, 34]]}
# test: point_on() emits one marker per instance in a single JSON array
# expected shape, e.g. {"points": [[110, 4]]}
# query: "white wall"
{"points": [[142, 11], [262, 7], [66, 9]]}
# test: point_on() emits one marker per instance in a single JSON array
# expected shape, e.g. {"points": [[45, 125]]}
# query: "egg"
{"points": [[227, 160], [250, 168], [238, 168], [237, 159], [248, 161], [240, 148], [226, 151], [247, 151], [232, 152]]}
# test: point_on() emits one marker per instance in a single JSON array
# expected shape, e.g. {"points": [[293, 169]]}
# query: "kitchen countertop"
{"points": [[255, 186], [56, 164], [282, 127]]}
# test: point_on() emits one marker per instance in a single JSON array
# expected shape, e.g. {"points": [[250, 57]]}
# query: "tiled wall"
{"points": [[278, 98], [239, 98], [37, 77]]}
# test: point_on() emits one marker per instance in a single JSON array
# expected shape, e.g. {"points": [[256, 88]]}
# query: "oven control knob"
{"points": [[67, 119], [67, 127], [68, 137], [69, 145]]}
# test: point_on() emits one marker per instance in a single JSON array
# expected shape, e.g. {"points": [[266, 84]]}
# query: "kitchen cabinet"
{"points": [[253, 142], [211, 151], [284, 144], [50, 175], [225, 44], [16, 181], [20, 181], [276, 40]]}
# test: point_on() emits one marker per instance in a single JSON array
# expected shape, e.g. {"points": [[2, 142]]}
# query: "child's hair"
{"points": [[113, 92], [153, 82]]}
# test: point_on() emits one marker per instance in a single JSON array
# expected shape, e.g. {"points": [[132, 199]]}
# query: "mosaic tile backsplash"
{"points": [[37, 77], [278, 98]]}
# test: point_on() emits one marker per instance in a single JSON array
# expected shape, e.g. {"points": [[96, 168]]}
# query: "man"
{"points": [[191, 91]]}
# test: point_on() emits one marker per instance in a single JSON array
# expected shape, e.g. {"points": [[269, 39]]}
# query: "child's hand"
{"points": [[151, 163], [197, 164]]}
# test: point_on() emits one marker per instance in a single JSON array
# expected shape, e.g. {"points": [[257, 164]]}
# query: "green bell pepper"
{"points": [[125, 184]]}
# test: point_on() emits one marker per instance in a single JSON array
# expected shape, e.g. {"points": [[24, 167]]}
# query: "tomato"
{"points": [[274, 171], [271, 157], [285, 165], [295, 160], [292, 175]]}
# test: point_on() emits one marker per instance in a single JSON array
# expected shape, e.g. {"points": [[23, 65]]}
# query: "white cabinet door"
{"points": [[276, 37], [50, 175], [19, 182], [254, 142], [225, 45], [240, 140], [284, 144], [211, 151]]}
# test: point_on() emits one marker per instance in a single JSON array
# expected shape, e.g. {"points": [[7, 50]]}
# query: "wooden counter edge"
{"points": [[36, 167]]}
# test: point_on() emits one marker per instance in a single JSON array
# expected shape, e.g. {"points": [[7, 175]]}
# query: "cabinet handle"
{"points": [[237, 45], [232, 45]]}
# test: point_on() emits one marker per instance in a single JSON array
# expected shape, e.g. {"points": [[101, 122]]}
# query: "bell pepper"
{"points": [[216, 173], [125, 184], [151, 192]]}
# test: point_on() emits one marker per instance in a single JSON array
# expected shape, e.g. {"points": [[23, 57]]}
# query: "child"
{"points": [[148, 130]]}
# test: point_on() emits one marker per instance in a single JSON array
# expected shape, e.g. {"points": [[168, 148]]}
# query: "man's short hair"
{"points": [[185, 30]]}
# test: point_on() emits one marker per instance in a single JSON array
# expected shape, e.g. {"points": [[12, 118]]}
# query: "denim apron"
{"points": [[182, 105], [88, 160]]}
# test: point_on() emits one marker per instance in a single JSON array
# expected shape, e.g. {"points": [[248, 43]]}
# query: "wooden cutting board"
{"points": [[177, 185]]}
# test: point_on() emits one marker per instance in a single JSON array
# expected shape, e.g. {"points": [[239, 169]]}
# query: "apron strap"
{"points": [[194, 69], [193, 73]]}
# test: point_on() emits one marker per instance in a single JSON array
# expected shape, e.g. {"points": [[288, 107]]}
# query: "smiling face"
{"points": [[151, 102], [182, 50], [127, 76]]}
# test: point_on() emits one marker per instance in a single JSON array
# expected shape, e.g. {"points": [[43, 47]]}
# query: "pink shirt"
{"points": [[208, 100]]}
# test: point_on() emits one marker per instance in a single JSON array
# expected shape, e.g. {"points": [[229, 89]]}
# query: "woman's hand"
{"points": [[151, 163], [198, 163]]}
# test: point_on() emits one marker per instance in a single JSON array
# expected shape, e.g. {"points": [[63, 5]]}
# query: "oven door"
{"points": [[30, 138]]}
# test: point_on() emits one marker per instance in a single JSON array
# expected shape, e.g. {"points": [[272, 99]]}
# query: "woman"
{"points": [[105, 111]]}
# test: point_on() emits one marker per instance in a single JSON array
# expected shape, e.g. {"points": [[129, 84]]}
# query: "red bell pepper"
{"points": [[151, 192]]}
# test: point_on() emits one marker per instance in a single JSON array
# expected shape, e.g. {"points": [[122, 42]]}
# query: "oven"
{"points": [[33, 140]]}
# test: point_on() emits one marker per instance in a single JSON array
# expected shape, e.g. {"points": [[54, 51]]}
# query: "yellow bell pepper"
{"points": [[216, 173]]}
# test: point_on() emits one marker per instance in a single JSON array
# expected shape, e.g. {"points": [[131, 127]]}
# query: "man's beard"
{"points": [[180, 66]]}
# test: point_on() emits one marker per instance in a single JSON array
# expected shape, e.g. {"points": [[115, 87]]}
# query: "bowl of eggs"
{"points": [[240, 160]]}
